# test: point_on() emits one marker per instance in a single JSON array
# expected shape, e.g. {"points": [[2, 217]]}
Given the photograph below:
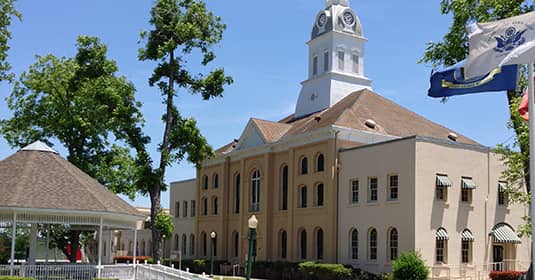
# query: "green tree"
{"points": [[7, 13], [409, 265], [454, 48], [178, 28], [82, 104]]}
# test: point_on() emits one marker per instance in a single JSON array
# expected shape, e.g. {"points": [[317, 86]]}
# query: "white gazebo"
{"points": [[37, 186]]}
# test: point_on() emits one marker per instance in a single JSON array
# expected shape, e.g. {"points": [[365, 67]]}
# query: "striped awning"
{"points": [[442, 234], [467, 236], [502, 233], [443, 181], [467, 183], [502, 186]]}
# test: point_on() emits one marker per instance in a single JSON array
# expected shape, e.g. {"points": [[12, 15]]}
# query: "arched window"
{"points": [[203, 244], [204, 210], [284, 188], [354, 241], [215, 181], [303, 244], [319, 244], [304, 166], [441, 246], [214, 205], [372, 244], [466, 246], [192, 245], [283, 244], [184, 248], [185, 209], [320, 163], [235, 244], [318, 195], [176, 243], [255, 191], [303, 197], [205, 182], [237, 193], [393, 244]]}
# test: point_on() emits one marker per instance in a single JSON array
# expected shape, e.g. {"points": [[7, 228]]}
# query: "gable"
{"points": [[251, 137]]}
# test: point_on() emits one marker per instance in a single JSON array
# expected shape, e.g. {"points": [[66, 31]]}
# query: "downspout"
{"points": [[486, 207], [336, 166]]}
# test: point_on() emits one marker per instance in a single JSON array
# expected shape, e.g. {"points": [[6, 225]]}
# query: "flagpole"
{"points": [[531, 159]]}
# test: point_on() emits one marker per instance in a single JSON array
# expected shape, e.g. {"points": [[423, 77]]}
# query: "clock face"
{"points": [[322, 19], [349, 18]]}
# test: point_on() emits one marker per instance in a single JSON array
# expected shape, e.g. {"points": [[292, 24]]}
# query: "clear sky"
{"points": [[264, 51]]}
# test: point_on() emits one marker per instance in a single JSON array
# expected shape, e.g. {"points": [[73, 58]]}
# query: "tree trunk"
{"points": [[517, 124], [154, 209]]}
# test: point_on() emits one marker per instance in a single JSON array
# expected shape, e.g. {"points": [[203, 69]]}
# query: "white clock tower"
{"points": [[336, 59]]}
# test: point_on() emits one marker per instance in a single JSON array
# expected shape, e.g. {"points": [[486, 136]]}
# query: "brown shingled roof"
{"points": [[352, 112], [44, 180], [271, 131]]}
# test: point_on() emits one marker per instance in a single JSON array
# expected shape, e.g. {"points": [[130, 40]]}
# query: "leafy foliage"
{"points": [[164, 224], [22, 242], [7, 13], [325, 271], [409, 265], [81, 103], [179, 27]]}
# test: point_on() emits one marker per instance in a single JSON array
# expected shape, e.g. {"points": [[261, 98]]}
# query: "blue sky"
{"points": [[264, 51]]}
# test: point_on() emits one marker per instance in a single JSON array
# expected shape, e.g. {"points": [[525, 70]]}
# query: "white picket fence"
{"points": [[89, 272]]}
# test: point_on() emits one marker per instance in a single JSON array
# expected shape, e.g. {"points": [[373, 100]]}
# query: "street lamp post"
{"points": [[213, 236], [252, 223]]}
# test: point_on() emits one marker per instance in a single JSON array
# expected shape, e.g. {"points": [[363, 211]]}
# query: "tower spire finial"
{"points": [[337, 2]]}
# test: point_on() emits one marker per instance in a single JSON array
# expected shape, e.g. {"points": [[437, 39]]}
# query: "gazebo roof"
{"points": [[38, 181]]}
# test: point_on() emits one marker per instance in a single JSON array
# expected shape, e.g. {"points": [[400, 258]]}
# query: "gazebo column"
{"points": [[135, 252], [33, 244], [100, 247], [13, 238]]}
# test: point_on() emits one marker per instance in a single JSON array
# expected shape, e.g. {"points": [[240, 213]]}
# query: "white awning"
{"points": [[467, 236], [502, 233], [443, 181], [442, 234], [467, 183]]}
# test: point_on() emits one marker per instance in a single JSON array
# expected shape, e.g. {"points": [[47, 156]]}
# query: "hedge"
{"points": [[505, 275], [15, 278], [324, 271]]}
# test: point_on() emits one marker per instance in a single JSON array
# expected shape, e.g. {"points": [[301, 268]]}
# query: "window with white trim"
{"points": [[372, 189], [354, 191], [341, 60], [355, 63], [255, 191], [315, 65], [326, 61], [393, 187]]}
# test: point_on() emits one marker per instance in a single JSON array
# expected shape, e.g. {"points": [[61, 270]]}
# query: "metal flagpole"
{"points": [[531, 158]]}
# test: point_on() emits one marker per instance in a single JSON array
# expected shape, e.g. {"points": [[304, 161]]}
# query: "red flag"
{"points": [[523, 108]]}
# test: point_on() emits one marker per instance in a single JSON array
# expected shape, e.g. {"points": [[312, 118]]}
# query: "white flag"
{"points": [[504, 42]]}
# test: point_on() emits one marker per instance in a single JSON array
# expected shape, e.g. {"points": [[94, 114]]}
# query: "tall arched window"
{"points": [[235, 244], [205, 182], [283, 244], [176, 243], [255, 191], [372, 244], [184, 248], [237, 193], [320, 163], [354, 241], [466, 246], [319, 244], [284, 188], [318, 195], [393, 244], [304, 166], [204, 205], [303, 244], [203, 244], [192, 245], [215, 205], [303, 197], [215, 181]]}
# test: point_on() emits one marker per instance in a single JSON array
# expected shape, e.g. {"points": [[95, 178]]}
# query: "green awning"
{"points": [[443, 181], [503, 233], [467, 236], [502, 186], [467, 183], [442, 234]]}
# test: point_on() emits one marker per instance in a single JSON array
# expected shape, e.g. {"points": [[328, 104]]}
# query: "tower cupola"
{"points": [[336, 59]]}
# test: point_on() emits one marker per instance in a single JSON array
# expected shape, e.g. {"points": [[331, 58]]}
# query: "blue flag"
{"points": [[450, 81]]}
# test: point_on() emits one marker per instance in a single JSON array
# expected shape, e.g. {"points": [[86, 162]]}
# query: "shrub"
{"points": [[409, 265], [15, 278], [325, 271], [505, 275], [105, 278]]}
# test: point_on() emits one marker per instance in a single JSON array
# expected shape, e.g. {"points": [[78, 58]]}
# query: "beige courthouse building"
{"points": [[350, 177]]}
